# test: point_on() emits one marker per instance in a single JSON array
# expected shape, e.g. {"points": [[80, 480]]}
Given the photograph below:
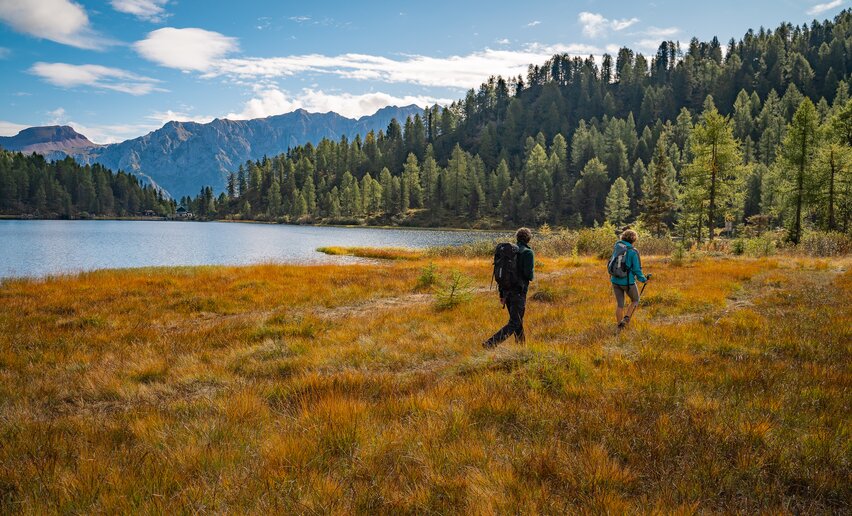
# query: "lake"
{"points": [[45, 247]]}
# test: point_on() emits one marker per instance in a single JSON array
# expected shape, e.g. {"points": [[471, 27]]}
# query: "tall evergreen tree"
{"points": [[799, 150]]}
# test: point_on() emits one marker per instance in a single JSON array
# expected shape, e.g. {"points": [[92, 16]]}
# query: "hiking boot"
{"points": [[489, 344], [624, 322]]}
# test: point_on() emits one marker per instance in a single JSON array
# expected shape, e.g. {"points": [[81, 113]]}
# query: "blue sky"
{"points": [[117, 69]]}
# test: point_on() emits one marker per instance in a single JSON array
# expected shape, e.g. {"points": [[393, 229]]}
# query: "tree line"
{"points": [[694, 141], [65, 189]]}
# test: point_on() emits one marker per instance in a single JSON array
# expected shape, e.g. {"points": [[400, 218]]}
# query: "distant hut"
{"points": [[149, 213], [183, 213]]}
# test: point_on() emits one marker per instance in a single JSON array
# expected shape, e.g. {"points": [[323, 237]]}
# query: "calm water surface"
{"points": [[45, 247]]}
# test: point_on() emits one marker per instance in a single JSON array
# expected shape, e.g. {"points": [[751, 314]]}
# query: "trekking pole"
{"points": [[641, 291]]}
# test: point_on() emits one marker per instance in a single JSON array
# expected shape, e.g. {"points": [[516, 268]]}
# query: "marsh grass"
{"points": [[379, 253], [231, 389]]}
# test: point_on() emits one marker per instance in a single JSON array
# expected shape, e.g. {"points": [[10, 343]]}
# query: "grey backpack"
{"points": [[617, 265]]}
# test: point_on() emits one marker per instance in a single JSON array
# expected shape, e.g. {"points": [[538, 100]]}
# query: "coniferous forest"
{"points": [[697, 137], [693, 140], [29, 185]]}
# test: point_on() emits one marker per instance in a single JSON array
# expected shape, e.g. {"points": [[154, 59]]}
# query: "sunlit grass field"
{"points": [[345, 389]]}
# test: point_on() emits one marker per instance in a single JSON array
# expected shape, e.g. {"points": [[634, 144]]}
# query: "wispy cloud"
{"points": [[162, 117], [504, 41], [595, 25], [185, 49], [61, 21], [533, 24], [273, 101], [827, 6], [5, 53], [466, 71], [10, 128], [300, 19], [150, 10], [651, 37], [67, 75]]}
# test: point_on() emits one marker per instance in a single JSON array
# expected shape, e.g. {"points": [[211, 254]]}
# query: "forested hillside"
{"points": [[30, 185], [698, 135]]}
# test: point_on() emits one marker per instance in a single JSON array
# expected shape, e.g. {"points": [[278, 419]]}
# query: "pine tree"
{"points": [[658, 189], [798, 153], [274, 199], [590, 192], [411, 176], [617, 203], [715, 176]]}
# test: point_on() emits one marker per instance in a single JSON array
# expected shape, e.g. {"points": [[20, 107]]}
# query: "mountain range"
{"points": [[182, 157]]}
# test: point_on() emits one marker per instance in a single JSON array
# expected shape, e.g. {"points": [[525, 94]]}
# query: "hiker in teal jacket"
{"points": [[627, 284]]}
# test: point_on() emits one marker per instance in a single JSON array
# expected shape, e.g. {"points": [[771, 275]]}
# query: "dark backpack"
{"points": [[506, 268], [617, 265]]}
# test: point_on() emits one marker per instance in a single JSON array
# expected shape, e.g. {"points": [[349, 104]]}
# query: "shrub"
{"points": [[652, 245], [455, 291], [826, 243], [760, 246], [544, 294], [596, 241], [478, 249], [560, 243], [427, 277], [738, 246], [678, 255]]}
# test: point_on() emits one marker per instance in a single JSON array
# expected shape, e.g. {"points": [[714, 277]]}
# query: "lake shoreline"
{"points": [[262, 222]]}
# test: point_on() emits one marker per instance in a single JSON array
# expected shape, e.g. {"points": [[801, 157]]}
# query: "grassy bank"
{"points": [[346, 389]]}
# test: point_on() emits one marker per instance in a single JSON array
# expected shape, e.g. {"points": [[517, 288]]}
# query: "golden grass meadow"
{"points": [[345, 389]]}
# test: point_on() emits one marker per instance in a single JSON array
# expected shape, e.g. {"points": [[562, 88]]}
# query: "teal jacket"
{"points": [[634, 267]]}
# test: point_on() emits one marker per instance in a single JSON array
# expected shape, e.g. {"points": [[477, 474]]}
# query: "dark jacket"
{"points": [[526, 264]]}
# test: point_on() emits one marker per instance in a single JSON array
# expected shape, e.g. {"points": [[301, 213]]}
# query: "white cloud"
{"points": [[56, 117], [150, 10], [185, 49], [10, 128], [273, 101], [533, 23], [96, 76], [101, 134], [504, 41], [660, 32], [653, 36], [162, 117], [827, 6], [112, 133], [466, 71], [61, 21], [596, 25]]}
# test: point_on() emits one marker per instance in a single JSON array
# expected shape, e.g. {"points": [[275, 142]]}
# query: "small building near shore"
{"points": [[183, 213]]}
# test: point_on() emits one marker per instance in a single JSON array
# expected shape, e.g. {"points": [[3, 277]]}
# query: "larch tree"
{"points": [[798, 152], [617, 203], [714, 177], [658, 189]]}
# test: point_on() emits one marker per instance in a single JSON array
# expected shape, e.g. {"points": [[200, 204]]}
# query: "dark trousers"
{"points": [[516, 304]]}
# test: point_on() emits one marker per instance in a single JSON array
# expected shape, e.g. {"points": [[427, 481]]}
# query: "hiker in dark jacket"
{"points": [[627, 284], [516, 300]]}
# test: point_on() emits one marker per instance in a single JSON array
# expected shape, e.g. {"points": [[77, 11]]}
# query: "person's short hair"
{"points": [[629, 235], [523, 235]]}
